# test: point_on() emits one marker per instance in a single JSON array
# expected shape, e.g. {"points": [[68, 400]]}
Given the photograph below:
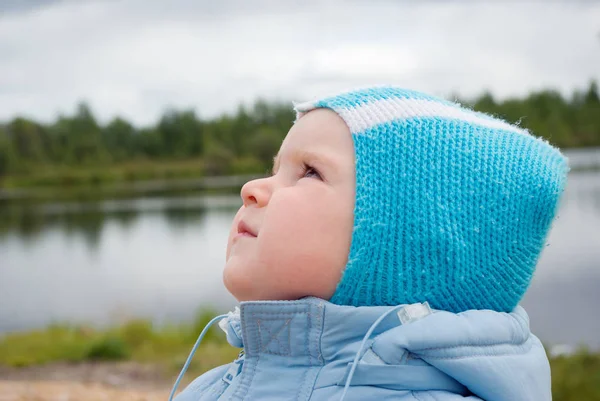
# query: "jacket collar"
{"points": [[493, 354], [286, 328], [310, 327]]}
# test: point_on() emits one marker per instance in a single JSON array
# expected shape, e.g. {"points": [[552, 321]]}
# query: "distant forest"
{"points": [[246, 141]]}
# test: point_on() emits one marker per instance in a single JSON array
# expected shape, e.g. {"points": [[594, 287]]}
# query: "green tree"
{"points": [[246, 140], [181, 133], [119, 139], [243, 127], [78, 139], [486, 104], [26, 139], [591, 97], [218, 160], [7, 153], [149, 143], [87, 143], [264, 145]]}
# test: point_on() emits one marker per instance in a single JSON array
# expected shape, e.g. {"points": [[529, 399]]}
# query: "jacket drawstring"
{"points": [[362, 346], [410, 313], [189, 359]]}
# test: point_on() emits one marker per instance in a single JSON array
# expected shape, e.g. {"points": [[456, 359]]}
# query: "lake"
{"points": [[161, 258]]}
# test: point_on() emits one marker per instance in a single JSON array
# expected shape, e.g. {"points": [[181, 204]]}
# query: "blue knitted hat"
{"points": [[452, 206]]}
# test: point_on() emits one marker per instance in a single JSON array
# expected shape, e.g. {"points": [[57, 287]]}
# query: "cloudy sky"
{"points": [[135, 58]]}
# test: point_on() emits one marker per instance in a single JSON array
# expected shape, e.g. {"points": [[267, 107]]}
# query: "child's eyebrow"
{"points": [[302, 155]]}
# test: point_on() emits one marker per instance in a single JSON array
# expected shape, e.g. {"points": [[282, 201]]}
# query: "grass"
{"points": [[50, 176], [574, 378], [137, 340], [125, 180]]}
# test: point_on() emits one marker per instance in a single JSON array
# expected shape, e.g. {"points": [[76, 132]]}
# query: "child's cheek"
{"points": [[301, 243]]}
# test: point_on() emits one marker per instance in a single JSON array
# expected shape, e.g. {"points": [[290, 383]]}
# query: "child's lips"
{"points": [[244, 230], [244, 235]]}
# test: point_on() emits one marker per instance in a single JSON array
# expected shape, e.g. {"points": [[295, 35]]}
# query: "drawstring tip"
{"points": [[191, 355]]}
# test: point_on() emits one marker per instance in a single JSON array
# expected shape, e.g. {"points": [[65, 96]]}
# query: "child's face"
{"points": [[302, 219]]}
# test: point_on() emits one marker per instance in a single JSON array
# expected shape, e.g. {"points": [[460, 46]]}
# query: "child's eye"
{"points": [[309, 171]]}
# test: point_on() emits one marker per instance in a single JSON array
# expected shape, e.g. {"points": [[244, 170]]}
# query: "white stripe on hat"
{"points": [[369, 115]]}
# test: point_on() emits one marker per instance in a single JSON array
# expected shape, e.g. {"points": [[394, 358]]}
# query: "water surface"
{"points": [[162, 258]]}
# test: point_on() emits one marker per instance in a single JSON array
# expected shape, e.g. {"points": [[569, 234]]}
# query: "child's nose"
{"points": [[256, 192]]}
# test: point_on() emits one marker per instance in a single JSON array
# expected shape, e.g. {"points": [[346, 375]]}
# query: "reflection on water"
{"points": [[161, 258], [107, 262], [88, 219]]}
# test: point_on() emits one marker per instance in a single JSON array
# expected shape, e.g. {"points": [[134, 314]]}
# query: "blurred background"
{"points": [[128, 127]]}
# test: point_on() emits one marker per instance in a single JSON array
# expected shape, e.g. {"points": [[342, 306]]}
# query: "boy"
{"points": [[386, 256]]}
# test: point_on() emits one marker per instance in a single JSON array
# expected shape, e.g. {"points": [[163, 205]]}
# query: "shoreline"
{"points": [[131, 189], [121, 375], [166, 177], [571, 377]]}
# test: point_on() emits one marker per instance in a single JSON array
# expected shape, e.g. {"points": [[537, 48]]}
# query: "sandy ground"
{"points": [[73, 391], [85, 382]]}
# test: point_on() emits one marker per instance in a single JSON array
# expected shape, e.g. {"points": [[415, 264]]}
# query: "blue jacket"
{"points": [[304, 350]]}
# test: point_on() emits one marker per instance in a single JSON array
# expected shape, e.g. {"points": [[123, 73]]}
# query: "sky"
{"points": [[137, 58]]}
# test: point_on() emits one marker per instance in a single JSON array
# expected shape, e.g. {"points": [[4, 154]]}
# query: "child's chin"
{"points": [[238, 282]]}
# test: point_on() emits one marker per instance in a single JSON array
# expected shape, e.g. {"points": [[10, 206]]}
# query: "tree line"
{"points": [[245, 141]]}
